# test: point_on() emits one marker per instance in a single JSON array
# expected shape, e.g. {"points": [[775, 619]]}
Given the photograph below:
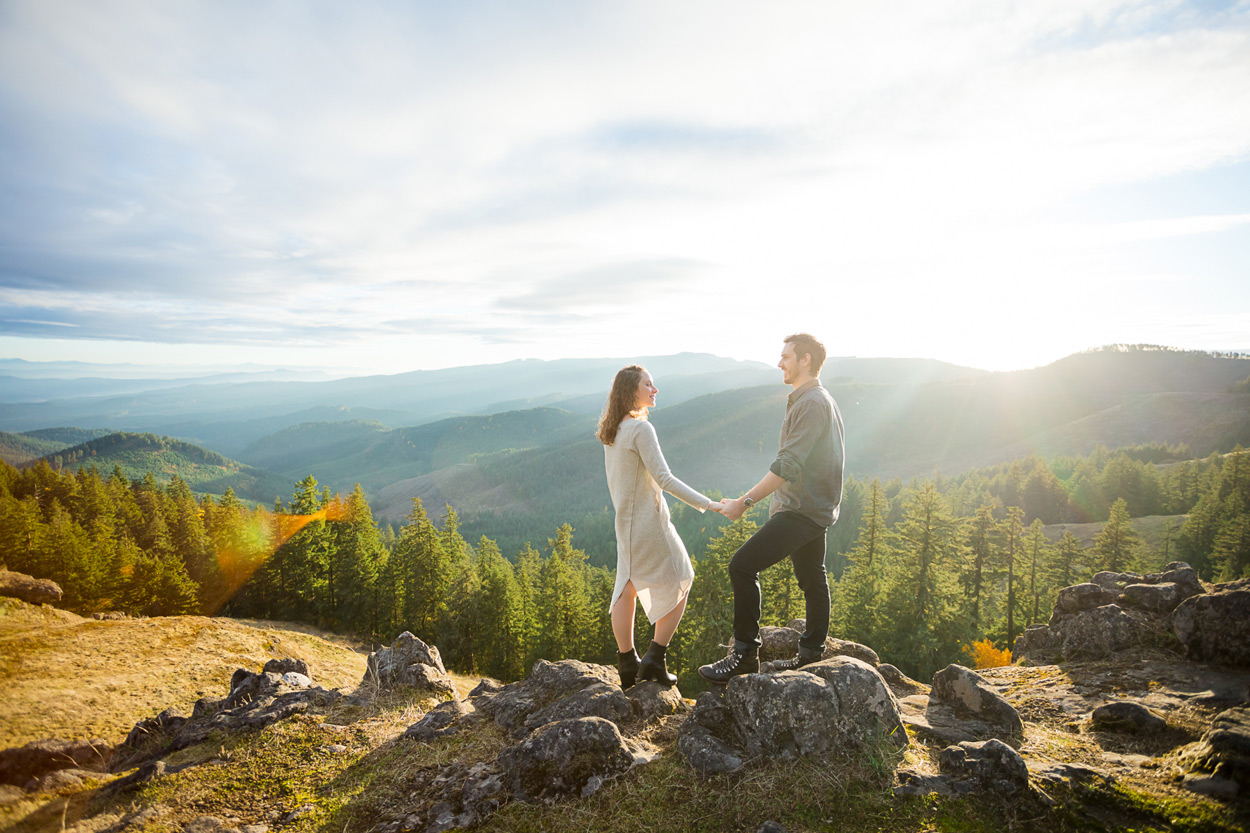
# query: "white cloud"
{"points": [[324, 171]]}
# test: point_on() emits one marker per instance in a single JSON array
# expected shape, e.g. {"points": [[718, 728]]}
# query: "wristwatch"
{"points": [[748, 501]]}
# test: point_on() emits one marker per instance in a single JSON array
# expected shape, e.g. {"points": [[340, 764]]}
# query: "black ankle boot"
{"points": [[653, 666], [627, 667]]}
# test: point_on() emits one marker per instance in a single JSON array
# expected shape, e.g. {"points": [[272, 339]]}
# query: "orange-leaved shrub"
{"points": [[985, 655]]}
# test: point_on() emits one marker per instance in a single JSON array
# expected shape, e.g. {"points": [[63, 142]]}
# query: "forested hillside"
{"points": [[146, 455], [919, 570]]}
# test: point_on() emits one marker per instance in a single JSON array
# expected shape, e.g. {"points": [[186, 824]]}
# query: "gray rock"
{"points": [[1126, 716], [287, 665], [598, 699], [770, 827], [650, 701], [967, 693], [1153, 598], [36, 591], [1220, 760], [20, 765], [828, 706], [1039, 644], [486, 688], [1182, 575], [899, 683], [439, 721], [991, 764], [1078, 598], [546, 683], [783, 643], [408, 663], [1115, 582], [1215, 626], [148, 772], [1098, 633], [568, 757], [706, 753], [255, 701]]}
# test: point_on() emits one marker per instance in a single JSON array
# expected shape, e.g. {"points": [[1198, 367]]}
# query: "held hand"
{"points": [[716, 506], [734, 509]]}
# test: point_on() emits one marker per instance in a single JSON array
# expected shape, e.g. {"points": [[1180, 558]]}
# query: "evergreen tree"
{"points": [[1116, 546], [856, 594]]}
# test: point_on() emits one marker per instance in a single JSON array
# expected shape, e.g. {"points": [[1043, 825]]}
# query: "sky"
{"points": [[390, 186]]}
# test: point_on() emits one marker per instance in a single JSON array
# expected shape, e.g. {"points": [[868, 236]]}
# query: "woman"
{"points": [[651, 562]]}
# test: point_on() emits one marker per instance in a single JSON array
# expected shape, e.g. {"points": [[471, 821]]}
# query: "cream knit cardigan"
{"points": [[648, 551]]}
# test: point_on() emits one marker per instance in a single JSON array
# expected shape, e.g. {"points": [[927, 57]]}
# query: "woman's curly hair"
{"points": [[622, 402]]}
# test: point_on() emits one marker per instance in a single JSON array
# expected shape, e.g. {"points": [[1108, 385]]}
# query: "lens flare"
{"points": [[258, 537]]}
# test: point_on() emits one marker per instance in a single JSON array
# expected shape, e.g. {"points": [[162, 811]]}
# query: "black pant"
{"points": [[803, 540]]}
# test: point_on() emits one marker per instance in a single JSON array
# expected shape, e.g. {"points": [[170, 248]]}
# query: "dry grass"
{"points": [[66, 676]]}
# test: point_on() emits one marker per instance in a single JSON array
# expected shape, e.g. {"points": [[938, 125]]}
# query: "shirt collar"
{"points": [[802, 389]]}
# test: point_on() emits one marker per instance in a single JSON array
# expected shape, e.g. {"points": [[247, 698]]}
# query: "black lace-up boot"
{"points": [[654, 667], [796, 662], [736, 664]]}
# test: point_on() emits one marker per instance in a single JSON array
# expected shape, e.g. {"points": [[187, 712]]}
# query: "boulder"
{"points": [[828, 706], [440, 720], [289, 665], [1152, 598], [783, 643], [651, 701], [899, 683], [968, 694], [1080, 597], [1126, 716], [21, 765], [547, 682], [1115, 582], [567, 757], [599, 699], [1182, 575], [1097, 633], [1219, 763], [1215, 627], [35, 591], [990, 764], [408, 663]]}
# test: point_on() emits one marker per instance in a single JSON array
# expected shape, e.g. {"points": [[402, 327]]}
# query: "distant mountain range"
{"points": [[515, 441]]}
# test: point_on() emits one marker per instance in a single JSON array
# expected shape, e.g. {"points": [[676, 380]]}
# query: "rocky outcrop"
{"points": [[828, 706], [23, 766], [282, 689], [967, 767], [408, 663], [31, 590], [567, 716], [1115, 612], [1219, 763], [1215, 627]]}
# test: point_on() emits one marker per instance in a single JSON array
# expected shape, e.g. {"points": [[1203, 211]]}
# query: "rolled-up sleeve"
{"points": [[806, 423]]}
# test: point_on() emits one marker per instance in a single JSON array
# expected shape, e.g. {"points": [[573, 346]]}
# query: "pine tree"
{"points": [[856, 595], [1116, 545]]}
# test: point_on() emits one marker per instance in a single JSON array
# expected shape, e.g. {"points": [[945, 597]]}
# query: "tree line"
{"points": [[919, 571]]}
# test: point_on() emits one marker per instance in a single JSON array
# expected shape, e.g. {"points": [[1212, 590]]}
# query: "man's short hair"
{"points": [[804, 343]]}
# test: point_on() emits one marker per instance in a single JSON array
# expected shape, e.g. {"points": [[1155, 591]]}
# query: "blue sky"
{"points": [[390, 186]]}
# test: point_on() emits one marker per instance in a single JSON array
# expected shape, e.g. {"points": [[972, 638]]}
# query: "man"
{"points": [[806, 484]]}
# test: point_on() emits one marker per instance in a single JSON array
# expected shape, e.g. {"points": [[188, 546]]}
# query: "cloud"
{"points": [[614, 285], [326, 171]]}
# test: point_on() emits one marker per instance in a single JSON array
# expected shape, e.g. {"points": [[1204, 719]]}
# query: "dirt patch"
{"points": [[65, 676]]}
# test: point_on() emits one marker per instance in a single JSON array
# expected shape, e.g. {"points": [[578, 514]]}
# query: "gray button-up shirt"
{"points": [[810, 460]]}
